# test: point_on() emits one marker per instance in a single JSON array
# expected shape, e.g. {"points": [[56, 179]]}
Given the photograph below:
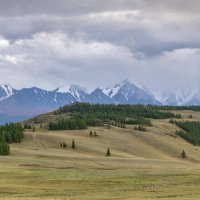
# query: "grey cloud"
{"points": [[140, 33], [49, 60], [53, 40], [75, 7]]}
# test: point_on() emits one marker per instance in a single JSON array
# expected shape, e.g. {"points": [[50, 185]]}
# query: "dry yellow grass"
{"points": [[143, 165]]}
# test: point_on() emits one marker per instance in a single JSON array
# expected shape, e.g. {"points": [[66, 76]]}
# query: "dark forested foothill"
{"points": [[116, 112], [85, 114]]}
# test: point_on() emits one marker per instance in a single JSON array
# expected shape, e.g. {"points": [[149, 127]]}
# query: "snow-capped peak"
{"points": [[6, 91], [111, 92], [78, 92], [180, 97], [63, 89], [75, 90]]}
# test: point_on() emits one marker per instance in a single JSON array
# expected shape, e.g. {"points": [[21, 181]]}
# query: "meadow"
{"points": [[142, 165]]}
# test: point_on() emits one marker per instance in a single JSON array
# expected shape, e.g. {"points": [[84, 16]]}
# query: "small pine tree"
{"points": [[25, 126], [29, 126], [73, 144], [91, 134], [183, 155], [108, 152]]}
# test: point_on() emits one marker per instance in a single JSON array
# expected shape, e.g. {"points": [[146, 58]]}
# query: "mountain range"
{"points": [[17, 105]]}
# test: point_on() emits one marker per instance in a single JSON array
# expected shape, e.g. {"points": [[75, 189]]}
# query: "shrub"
{"points": [[64, 145]]}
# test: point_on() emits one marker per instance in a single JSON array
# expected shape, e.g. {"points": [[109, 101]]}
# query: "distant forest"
{"points": [[193, 108], [84, 114]]}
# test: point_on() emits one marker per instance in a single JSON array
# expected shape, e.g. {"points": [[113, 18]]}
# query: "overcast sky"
{"points": [[47, 43]]}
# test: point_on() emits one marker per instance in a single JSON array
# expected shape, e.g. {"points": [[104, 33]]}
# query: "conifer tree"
{"points": [[183, 154], [73, 144], [108, 152], [91, 134], [26, 126]]}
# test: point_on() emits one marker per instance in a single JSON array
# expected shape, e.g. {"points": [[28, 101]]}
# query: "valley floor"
{"points": [[142, 165]]}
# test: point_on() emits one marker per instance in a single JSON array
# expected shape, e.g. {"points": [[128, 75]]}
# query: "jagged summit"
{"points": [[128, 92], [6, 91], [78, 92]]}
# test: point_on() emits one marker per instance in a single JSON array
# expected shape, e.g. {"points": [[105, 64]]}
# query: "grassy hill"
{"points": [[142, 165]]}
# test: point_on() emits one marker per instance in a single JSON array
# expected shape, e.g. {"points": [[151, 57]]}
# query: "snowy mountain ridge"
{"points": [[28, 102]]}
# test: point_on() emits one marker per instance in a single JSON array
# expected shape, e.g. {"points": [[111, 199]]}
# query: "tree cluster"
{"points": [[10, 133], [140, 128], [64, 145], [191, 131], [68, 124], [93, 134], [27, 126]]}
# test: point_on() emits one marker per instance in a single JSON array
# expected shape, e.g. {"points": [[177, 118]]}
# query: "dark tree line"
{"points": [[191, 131], [194, 108], [10, 133], [139, 120], [68, 124], [116, 112]]}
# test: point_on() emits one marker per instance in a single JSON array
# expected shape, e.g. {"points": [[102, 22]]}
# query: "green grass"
{"points": [[143, 165], [98, 184]]}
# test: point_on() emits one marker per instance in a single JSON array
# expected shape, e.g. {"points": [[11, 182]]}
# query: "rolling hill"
{"points": [[146, 165]]}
